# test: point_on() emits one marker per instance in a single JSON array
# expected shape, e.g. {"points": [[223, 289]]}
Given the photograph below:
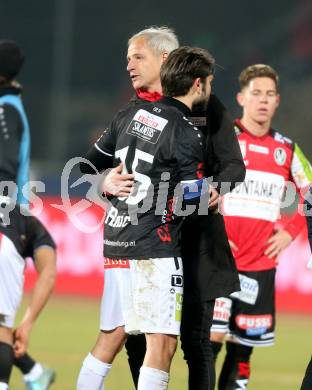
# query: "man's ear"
{"points": [[164, 56], [197, 86], [240, 99]]}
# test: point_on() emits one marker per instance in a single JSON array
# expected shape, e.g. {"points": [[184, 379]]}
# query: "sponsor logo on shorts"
{"points": [[147, 126], [256, 332], [221, 315], [222, 309], [177, 280], [244, 321], [115, 263], [178, 310], [249, 290]]}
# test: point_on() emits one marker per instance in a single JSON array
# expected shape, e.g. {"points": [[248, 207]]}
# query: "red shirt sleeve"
{"points": [[297, 222]]}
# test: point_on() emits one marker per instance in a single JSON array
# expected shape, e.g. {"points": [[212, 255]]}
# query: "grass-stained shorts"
{"points": [[145, 296]]}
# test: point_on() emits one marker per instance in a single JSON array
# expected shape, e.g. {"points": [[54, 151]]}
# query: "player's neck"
{"points": [[155, 88], [254, 127], [186, 100]]}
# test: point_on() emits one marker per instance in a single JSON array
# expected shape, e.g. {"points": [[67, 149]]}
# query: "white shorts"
{"points": [[221, 315], [12, 267], [145, 296]]}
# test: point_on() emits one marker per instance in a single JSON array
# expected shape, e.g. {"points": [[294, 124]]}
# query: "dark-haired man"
{"points": [[156, 142], [208, 262]]}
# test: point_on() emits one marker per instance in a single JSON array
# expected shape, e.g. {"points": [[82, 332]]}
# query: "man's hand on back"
{"points": [[214, 200], [118, 184]]}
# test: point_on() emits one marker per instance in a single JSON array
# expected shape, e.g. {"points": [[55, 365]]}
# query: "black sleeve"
{"points": [[308, 203], [101, 155], [36, 236], [189, 153], [225, 162], [11, 129]]}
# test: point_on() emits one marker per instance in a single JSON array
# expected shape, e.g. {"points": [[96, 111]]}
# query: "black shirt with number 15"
{"points": [[161, 148]]}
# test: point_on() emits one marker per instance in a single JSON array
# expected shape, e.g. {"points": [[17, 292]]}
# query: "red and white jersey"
{"points": [[252, 208]]}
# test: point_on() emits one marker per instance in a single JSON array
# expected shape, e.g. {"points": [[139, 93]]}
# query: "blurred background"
{"points": [[74, 81], [75, 73]]}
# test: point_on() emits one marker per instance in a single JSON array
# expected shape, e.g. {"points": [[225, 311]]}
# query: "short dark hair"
{"points": [[257, 70], [182, 67]]}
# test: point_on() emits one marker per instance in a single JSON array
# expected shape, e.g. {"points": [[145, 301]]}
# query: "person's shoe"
{"points": [[43, 382]]}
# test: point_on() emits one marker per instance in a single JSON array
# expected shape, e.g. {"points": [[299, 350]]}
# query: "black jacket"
{"points": [[308, 203], [150, 139], [209, 266]]}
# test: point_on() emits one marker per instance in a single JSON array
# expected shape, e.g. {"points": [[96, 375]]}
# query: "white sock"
{"points": [[34, 373], [4, 386], [92, 374], [152, 379]]}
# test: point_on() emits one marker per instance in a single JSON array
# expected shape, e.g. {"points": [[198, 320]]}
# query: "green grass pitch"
{"points": [[68, 327]]}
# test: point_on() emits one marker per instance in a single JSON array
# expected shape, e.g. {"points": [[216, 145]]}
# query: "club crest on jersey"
{"points": [[280, 156], [147, 126]]}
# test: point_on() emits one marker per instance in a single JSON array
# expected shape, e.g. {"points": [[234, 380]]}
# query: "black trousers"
{"points": [[307, 380], [195, 343]]}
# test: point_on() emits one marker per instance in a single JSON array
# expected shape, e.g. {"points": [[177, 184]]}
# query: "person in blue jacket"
{"points": [[14, 169]]}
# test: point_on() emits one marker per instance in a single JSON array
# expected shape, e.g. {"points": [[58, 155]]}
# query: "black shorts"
{"points": [[248, 317]]}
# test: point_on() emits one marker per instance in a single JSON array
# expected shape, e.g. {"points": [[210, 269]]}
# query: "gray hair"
{"points": [[160, 39]]}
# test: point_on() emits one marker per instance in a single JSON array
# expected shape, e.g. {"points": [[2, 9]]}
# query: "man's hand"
{"points": [[279, 241], [45, 264], [213, 200], [118, 184], [20, 339]]}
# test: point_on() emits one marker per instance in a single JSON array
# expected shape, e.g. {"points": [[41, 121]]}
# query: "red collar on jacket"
{"points": [[149, 96]]}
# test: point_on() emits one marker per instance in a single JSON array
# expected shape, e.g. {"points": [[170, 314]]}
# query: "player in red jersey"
{"points": [[273, 163]]}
